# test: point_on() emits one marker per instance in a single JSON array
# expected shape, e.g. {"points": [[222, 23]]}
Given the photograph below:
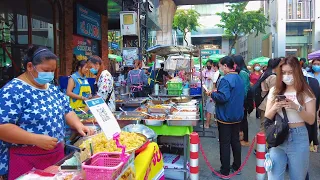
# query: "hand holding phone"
{"points": [[281, 98]]}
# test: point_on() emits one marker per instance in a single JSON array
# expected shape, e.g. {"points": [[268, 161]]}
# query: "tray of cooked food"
{"points": [[135, 102], [99, 143], [178, 120], [191, 103], [141, 109], [185, 111], [160, 108], [180, 99], [156, 119]]}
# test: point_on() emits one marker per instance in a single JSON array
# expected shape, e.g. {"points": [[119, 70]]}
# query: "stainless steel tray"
{"points": [[153, 122], [159, 110], [185, 113], [185, 121]]}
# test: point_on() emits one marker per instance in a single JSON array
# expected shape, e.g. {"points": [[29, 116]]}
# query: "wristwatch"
{"points": [[300, 108]]}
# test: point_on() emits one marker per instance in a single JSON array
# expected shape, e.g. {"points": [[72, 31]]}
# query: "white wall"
{"points": [[316, 27]]}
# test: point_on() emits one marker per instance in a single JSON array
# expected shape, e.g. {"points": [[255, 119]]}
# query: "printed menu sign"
{"points": [[104, 117]]}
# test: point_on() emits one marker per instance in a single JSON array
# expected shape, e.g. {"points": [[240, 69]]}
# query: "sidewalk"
{"points": [[211, 147]]}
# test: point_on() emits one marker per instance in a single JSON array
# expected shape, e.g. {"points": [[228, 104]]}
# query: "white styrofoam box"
{"points": [[172, 164]]}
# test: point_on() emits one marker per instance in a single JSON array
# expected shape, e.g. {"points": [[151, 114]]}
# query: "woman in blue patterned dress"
{"points": [[33, 115]]}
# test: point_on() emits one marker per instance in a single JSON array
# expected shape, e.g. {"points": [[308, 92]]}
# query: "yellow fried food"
{"points": [[101, 144], [157, 107]]}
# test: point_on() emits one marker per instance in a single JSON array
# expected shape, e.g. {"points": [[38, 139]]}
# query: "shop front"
{"points": [[69, 28]]}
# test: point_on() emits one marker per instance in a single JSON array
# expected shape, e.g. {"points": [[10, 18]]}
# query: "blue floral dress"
{"points": [[39, 111]]}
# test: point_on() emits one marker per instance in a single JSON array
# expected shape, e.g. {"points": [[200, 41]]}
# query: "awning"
{"points": [[164, 50]]}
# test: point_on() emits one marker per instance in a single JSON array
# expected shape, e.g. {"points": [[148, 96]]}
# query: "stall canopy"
{"points": [[314, 55], [116, 57], [260, 60], [216, 57], [164, 50]]}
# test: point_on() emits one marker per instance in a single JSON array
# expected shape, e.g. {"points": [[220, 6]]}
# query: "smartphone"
{"points": [[281, 97]]}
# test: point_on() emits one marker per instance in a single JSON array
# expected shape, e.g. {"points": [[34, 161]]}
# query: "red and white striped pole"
{"points": [[194, 156], [260, 155]]}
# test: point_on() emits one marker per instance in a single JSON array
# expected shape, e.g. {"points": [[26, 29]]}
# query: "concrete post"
{"points": [[280, 27], [316, 26], [167, 9]]}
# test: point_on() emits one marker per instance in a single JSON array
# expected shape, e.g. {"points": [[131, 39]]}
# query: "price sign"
{"points": [[104, 117]]}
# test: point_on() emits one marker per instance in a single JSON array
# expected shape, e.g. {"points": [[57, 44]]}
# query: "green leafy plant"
{"points": [[186, 21], [238, 22]]}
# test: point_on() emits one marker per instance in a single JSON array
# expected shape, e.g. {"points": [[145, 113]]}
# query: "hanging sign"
{"points": [[104, 117], [88, 23]]}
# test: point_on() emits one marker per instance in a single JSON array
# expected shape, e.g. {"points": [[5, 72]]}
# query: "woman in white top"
{"points": [[300, 108]]}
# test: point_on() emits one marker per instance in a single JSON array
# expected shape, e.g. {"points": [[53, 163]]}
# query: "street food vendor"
{"points": [[159, 77], [33, 115], [104, 81], [79, 88], [137, 79]]}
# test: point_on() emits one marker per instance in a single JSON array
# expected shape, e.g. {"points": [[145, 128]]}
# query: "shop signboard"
{"points": [[205, 53], [104, 117], [114, 45], [129, 23], [84, 47], [88, 23], [129, 55]]}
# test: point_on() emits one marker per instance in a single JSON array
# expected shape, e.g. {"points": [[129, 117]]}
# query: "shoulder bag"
{"points": [[276, 129]]}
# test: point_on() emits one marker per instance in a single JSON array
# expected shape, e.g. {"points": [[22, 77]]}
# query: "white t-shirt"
{"points": [[292, 114]]}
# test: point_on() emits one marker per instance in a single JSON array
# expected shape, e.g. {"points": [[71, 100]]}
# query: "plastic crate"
{"points": [[175, 92], [174, 86], [195, 91]]}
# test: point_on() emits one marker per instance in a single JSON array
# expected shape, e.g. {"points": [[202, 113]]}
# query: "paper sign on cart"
{"points": [[104, 117]]}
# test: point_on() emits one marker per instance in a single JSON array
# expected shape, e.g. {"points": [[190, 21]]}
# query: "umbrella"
{"points": [[260, 60], [196, 60], [116, 57], [314, 55], [216, 57]]}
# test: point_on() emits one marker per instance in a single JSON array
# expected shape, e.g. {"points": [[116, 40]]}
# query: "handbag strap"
{"points": [[285, 116]]}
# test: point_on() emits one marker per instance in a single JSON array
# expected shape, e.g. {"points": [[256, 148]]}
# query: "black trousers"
{"points": [[229, 136], [244, 127]]}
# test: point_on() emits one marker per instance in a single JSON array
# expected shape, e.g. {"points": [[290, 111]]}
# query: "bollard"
{"points": [[194, 156], [260, 155]]}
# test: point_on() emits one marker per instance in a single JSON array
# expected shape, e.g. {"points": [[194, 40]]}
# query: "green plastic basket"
{"points": [[175, 92], [174, 86]]}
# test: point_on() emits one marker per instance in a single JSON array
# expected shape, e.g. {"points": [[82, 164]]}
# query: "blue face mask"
{"points": [[257, 68], [43, 77], [94, 71], [316, 68]]}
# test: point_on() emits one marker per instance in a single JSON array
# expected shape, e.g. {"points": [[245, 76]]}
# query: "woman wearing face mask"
{"points": [[315, 70], [33, 114], [300, 108], [255, 75], [137, 79], [78, 87], [104, 81], [229, 99], [210, 78]]}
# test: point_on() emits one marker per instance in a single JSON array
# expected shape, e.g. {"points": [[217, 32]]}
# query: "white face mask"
{"points": [[288, 79]]}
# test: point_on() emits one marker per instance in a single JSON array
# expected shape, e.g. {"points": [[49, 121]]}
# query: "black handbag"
{"points": [[276, 129]]}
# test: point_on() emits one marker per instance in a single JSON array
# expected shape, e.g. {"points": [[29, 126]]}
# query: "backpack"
{"points": [[249, 101], [256, 89]]}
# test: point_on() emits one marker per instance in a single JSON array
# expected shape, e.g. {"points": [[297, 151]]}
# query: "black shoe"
{"points": [[233, 171], [214, 175]]}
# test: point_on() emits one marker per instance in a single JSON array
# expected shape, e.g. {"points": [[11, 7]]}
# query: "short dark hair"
{"points": [[210, 62], [215, 64], [81, 64], [37, 54], [303, 60], [228, 61], [95, 59]]}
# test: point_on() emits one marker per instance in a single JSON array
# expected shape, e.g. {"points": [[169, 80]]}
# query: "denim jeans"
{"points": [[294, 152]]}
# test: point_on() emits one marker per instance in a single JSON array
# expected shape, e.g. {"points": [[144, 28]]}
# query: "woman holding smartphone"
{"points": [[292, 93]]}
